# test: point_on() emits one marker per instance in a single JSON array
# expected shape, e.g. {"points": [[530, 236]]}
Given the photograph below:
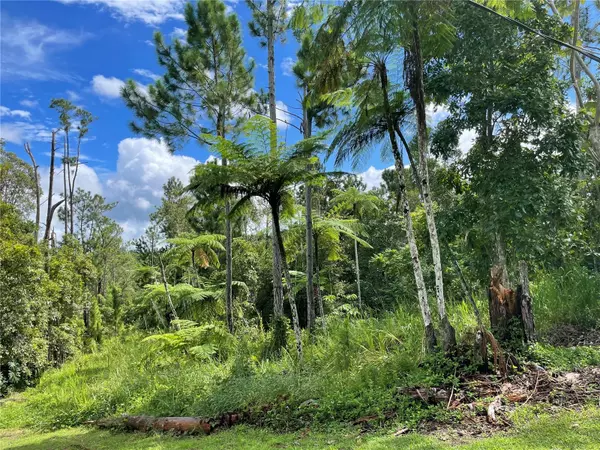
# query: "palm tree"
{"points": [[357, 203], [380, 107], [326, 235], [256, 171]]}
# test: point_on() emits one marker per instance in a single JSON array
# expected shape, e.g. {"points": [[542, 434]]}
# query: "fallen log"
{"points": [[180, 425]]}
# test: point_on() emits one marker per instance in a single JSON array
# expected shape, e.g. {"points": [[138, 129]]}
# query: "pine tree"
{"points": [[208, 75]]}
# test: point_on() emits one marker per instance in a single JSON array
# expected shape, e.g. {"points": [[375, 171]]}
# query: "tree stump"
{"points": [[508, 306]]}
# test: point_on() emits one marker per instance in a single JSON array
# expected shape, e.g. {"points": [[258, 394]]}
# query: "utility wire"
{"points": [[525, 27]]}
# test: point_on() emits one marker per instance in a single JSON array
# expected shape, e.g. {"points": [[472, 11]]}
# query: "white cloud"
{"points": [[73, 96], [372, 177], [107, 87], [466, 140], [146, 74], [287, 66], [27, 47], [29, 103], [283, 118], [4, 111], [143, 166], [149, 43], [151, 12], [18, 132], [179, 33], [436, 113]]}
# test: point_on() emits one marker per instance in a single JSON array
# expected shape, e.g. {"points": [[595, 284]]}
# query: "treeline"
{"points": [[264, 238]]}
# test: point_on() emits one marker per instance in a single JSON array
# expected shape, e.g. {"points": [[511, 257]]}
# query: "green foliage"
{"points": [[565, 358], [567, 296]]}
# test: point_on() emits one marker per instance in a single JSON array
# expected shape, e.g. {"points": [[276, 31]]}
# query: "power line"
{"points": [[525, 27]]}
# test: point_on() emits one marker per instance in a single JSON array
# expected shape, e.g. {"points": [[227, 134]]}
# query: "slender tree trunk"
{"points": [[430, 339], [572, 60], [271, 58], [228, 268], [288, 279], [69, 195], [65, 190], [277, 278], [50, 188], [318, 285], [37, 192], [310, 300], [72, 185], [418, 95], [357, 274], [166, 285]]}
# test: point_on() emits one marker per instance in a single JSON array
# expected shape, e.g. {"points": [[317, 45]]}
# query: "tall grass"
{"points": [[567, 296], [352, 370]]}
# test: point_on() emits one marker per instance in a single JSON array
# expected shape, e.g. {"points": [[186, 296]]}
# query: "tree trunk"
{"points": [[288, 279], [501, 258], [166, 285], [430, 339], [65, 191], [228, 268], [418, 96], [310, 300], [277, 277], [37, 192], [271, 59], [72, 185], [69, 195], [318, 285], [526, 305], [50, 188], [357, 274]]}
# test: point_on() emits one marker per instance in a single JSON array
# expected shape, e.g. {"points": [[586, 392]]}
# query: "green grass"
{"points": [[567, 296], [569, 430]]}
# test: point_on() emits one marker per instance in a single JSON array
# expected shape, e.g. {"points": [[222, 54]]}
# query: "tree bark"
{"points": [[288, 279], [69, 194], [65, 191], [318, 286], [166, 285], [50, 209], [271, 59], [430, 339], [357, 274], [228, 268], [72, 185], [418, 95], [526, 305], [310, 300], [277, 277], [37, 192], [501, 258]]}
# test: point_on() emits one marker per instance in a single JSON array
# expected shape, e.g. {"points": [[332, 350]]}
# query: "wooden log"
{"points": [[187, 425]]}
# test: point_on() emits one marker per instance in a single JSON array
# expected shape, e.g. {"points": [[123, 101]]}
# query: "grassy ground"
{"points": [[569, 430]]}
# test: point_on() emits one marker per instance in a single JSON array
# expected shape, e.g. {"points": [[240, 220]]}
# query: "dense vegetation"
{"points": [[273, 284]]}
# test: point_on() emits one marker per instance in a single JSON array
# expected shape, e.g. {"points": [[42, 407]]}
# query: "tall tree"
{"points": [[208, 76], [357, 203], [381, 105], [269, 24], [258, 172], [36, 177], [414, 74]]}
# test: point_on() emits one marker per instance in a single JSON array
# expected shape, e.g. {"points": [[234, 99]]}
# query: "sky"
{"points": [[83, 50]]}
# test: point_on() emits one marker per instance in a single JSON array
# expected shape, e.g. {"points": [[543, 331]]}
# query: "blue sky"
{"points": [[83, 50]]}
